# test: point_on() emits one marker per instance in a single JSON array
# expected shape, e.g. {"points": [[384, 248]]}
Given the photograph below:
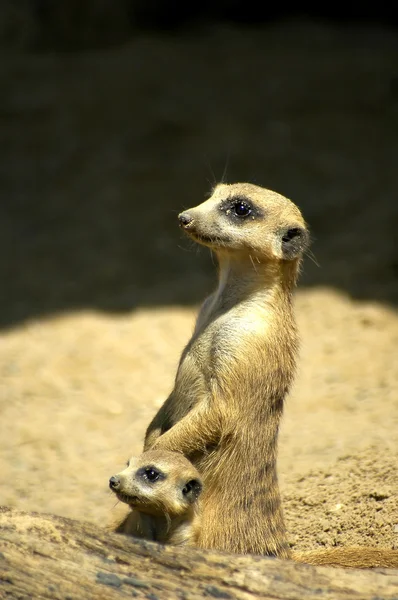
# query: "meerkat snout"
{"points": [[185, 219], [114, 482], [295, 240]]}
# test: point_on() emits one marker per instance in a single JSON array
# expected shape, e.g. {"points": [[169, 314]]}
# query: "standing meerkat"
{"points": [[162, 489], [225, 409]]}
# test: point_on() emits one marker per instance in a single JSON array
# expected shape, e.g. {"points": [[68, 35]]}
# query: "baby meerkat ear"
{"points": [[294, 241], [191, 490]]}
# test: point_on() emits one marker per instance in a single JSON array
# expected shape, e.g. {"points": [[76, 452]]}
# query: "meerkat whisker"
{"points": [[224, 173], [168, 521], [208, 164], [252, 261], [312, 257], [213, 260]]}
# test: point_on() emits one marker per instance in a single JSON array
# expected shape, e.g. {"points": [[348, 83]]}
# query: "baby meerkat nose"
{"points": [[185, 219], [114, 482]]}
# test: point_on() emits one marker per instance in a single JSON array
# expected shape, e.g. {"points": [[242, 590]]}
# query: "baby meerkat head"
{"points": [[248, 220], [158, 482]]}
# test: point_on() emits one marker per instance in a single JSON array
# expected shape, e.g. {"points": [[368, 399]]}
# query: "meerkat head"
{"points": [[158, 482], [245, 219]]}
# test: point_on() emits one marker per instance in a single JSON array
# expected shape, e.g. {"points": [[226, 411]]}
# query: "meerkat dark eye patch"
{"points": [[150, 474], [192, 490], [294, 240]]}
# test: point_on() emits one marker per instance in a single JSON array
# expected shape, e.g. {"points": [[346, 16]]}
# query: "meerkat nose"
{"points": [[185, 219], [114, 482]]}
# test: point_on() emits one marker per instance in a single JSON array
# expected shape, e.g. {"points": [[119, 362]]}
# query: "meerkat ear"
{"points": [[191, 490], [294, 241]]}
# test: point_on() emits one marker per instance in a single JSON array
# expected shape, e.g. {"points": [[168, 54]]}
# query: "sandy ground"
{"points": [[98, 290]]}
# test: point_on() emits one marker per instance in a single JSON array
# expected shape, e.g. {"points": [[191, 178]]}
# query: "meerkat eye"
{"points": [[127, 463], [151, 474], [242, 209]]}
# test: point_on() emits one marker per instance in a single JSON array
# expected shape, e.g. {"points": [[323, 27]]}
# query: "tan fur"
{"points": [[236, 370], [355, 558], [161, 511]]}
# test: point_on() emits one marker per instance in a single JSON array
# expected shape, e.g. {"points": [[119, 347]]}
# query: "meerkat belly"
{"points": [[191, 386], [203, 360]]}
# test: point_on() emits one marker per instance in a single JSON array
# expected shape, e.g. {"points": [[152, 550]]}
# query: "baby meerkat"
{"points": [[225, 409], [162, 488]]}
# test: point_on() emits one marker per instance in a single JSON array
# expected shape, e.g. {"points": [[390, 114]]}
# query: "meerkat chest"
{"points": [[222, 344], [223, 341]]}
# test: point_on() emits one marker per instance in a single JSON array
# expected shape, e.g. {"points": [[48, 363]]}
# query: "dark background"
{"points": [[116, 115]]}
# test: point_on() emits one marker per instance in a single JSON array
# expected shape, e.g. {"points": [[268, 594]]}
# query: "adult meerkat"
{"points": [[225, 409], [162, 489]]}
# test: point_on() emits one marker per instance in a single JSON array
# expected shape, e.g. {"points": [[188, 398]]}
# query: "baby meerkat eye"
{"points": [[241, 209], [151, 475]]}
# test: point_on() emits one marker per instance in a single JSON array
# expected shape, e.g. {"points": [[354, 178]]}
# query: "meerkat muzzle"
{"points": [[114, 482], [185, 220]]}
